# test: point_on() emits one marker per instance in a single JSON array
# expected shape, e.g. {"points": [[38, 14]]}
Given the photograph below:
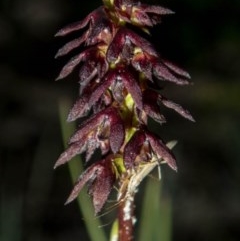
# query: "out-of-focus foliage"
{"points": [[203, 37]]}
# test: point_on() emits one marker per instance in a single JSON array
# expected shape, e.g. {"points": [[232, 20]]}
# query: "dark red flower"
{"points": [[119, 76], [104, 130], [143, 146], [100, 179]]}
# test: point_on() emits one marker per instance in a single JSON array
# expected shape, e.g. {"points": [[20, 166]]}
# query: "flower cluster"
{"points": [[120, 74]]}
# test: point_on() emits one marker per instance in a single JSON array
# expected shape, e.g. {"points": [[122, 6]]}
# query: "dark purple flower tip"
{"points": [[101, 188], [105, 101], [90, 125], [175, 69], [89, 143], [92, 18], [74, 61], [153, 9], [91, 94], [116, 46], [131, 84], [141, 18], [133, 148], [151, 107], [71, 45], [151, 101], [80, 108], [162, 152], [178, 108], [95, 64], [125, 36], [107, 118], [163, 73], [145, 145], [161, 69], [101, 86], [73, 150], [100, 177], [99, 32], [117, 132]]}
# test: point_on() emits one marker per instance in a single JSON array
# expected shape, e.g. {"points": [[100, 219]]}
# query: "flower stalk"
{"points": [[120, 76], [126, 219]]}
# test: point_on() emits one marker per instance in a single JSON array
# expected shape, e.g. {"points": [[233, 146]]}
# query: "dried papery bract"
{"points": [[119, 76]]}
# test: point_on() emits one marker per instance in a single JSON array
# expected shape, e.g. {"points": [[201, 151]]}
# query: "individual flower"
{"points": [[100, 178], [142, 146], [104, 130]]}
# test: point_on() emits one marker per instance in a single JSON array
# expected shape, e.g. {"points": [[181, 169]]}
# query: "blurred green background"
{"points": [[203, 37]]}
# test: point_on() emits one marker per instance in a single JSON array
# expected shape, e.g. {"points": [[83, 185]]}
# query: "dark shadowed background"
{"points": [[203, 37]]}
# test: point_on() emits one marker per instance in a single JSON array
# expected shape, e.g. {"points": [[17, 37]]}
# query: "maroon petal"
{"points": [[98, 91], [78, 25], [88, 126], [132, 86], [116, 46], [176, 69], [146, 15], [69, 67], [178, 108], [150, 106], [90, 97], [101, 191], [96, 64], [93, 123], [162, 73], [80, 108], [71, 45], [88, 175], [73, 150], [87, 72], [133, 148], [125, 35], [156, 9], [162, 151], [117, 131], [102, 185], [100, 178]]}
